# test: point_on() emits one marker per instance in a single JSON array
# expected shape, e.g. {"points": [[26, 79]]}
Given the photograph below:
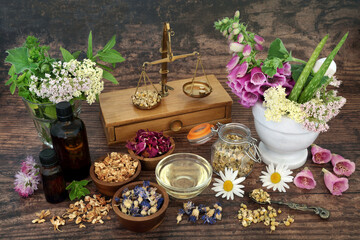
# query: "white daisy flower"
{"points": [[276, 178], [228, 185]]}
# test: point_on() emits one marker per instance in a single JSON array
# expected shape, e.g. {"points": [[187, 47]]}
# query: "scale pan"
{"points": [[197, 89]]}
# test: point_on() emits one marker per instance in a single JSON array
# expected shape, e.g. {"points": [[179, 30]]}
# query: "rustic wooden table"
{"points": [[300, 24]]}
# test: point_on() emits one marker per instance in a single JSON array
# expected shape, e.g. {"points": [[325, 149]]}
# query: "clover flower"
{"points": [[28, 178]]}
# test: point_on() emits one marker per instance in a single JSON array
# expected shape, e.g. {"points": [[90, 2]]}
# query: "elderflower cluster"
{"points": [[277, 105], [68, 80]]}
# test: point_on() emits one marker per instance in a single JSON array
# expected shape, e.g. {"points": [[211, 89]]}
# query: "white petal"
{"points": [[218, 185], [239, 180], [222, 176], [219, 180], [218, 194]]}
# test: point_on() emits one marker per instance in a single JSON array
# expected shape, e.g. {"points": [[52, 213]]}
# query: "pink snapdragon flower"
{"points": [[335, 184], [320, 155], [342, 166], [305, 179]]}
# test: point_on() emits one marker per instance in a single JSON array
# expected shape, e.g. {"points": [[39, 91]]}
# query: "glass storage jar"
{"points": [[235, 148]]}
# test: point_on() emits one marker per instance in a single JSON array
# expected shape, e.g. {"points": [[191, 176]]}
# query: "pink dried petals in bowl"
{"points": [[149, 144], [116, 167]]}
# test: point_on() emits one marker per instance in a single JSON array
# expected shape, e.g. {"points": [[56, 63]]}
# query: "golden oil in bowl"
{"points": [[183, 175]]}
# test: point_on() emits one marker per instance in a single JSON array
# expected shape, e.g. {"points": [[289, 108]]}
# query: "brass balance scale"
{"points": [[205, 101], [149, 99]]}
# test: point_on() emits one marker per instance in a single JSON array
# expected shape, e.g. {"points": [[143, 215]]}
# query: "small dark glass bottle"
{"points": [[52, 177], [70, 143]]}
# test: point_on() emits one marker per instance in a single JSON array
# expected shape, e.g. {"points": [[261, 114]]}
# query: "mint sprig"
{"points": [[78, 189], [277, 55]]}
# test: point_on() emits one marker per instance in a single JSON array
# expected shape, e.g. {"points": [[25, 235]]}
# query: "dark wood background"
{"points": [[138, 24]]}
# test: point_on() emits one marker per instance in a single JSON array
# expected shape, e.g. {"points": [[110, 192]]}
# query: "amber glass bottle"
{"points": [[69, 139], [52, 177]]}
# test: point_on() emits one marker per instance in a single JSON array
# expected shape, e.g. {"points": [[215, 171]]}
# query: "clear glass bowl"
{"points": [[183, 175]]}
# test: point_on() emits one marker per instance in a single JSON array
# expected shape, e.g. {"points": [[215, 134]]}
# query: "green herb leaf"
{"points": [[111, 56], [277, 50], [50, 112], [67, 56], [12, 88], [19, 58], [104, 67], [77, 189], [110, 44], [270, 66], [89, 52], [11, 70], [76, 54], [296, 70], [109, 77]]}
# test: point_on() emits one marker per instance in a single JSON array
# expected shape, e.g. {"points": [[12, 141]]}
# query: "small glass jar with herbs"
{"points": [[235, 148]]}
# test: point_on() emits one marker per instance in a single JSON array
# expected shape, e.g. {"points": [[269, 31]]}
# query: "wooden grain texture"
{"points": [[138, 25]]}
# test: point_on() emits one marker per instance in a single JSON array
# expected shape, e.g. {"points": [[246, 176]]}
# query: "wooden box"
{"points": [[176, 113]]}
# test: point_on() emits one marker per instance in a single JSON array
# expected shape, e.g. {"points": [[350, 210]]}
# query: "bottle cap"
{"points": [[200, 134], [64, 111], [48, 157]]}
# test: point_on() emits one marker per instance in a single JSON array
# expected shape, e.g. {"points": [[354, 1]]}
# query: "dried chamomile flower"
{"points": [[41, 216], [116, 167], [234, 156], [288, 221], [141, 201], [57, 221], [260, 195], [266, 215], [146, 98]]}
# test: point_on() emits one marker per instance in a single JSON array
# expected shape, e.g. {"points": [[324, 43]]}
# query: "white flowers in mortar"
{"points": [[331, 70]]}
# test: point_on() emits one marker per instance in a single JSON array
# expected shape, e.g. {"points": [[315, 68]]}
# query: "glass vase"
{"points": [[43, 115]]}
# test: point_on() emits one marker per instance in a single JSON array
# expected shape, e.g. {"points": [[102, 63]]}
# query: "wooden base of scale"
{"points": [[176, 112]]}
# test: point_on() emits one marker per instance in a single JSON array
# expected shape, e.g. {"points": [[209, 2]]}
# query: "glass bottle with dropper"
{"points": [[70, 143], [52, 177]]}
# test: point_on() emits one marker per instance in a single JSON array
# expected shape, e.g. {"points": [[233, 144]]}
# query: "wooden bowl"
{"points": [[108, 188], [141, 224], [149, 164]]}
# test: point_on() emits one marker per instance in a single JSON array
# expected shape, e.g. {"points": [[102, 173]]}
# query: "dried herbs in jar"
{"points": [[234, 149]]}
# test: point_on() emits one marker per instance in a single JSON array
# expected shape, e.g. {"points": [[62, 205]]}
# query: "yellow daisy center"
{"points": [[228, 185], [275, 177]]}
